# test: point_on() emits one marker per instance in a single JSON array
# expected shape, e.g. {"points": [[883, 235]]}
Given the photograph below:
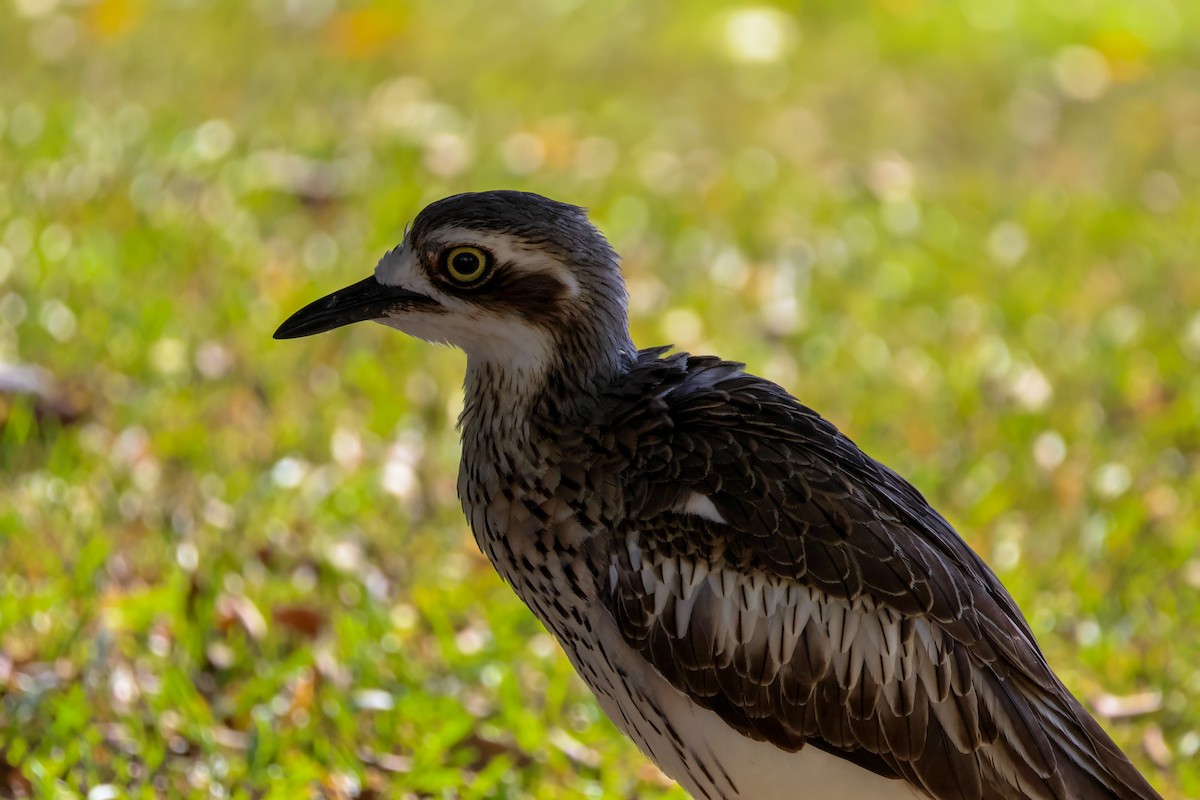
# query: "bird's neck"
{"points": [[505, 397], [497, 402]]}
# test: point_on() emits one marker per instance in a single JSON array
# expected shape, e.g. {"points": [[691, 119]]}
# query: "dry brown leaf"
{"points": [[51, 401], [1155, 745], [1111, 706], [238, 608], [304, 620]]}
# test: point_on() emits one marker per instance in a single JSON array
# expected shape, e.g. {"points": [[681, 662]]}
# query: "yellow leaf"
{"points": [[1125, 54], [111, 19], [364, 32]]}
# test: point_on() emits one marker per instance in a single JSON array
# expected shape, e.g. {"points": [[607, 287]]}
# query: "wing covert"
{"points": [[811, 596]]}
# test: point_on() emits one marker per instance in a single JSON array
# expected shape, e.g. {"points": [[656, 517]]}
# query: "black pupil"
{"points": [[465, 263]]}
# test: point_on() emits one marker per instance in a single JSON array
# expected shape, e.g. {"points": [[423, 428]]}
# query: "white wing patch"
{"points": [[701, 506]]}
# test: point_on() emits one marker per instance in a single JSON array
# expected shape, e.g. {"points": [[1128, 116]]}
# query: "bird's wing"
{"points": [[810, 596]]}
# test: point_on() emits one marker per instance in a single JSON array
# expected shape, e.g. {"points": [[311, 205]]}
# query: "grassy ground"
{"points": [[967, 234]]}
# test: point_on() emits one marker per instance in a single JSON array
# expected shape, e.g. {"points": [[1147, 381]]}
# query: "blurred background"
{"points": [[229, 566]]}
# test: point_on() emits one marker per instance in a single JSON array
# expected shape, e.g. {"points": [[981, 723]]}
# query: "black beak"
{"points": [[367, 299]]}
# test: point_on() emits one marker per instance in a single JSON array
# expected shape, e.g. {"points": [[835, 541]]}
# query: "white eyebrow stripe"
{"points": [[512, 251]]}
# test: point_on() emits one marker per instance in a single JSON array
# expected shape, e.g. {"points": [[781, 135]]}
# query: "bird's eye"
{"points": [[466, 265]]}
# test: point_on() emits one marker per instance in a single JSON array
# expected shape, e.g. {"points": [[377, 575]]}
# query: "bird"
{"points": [[764, 609]]}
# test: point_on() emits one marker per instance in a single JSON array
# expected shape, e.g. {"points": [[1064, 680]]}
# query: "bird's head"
{"points": [[518, 281]]}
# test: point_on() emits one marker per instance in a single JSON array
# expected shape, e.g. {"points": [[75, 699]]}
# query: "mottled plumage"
{"points": [[764, 609]]}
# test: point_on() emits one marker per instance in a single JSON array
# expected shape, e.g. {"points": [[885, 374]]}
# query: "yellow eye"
{"points": [[466, 265]]}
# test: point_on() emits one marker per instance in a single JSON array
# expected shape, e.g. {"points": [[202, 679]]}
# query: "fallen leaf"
{"points": [[299, 619], [241, 609], [1111, 706], [50, 401], [1155, 745], [574, 749], [388, 762], [487, 750]]}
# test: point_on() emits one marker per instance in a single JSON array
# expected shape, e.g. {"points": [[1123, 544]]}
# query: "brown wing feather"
{"points": [[832, 606]]}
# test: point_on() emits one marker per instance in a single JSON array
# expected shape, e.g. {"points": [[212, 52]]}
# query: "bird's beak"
{"points": [[366, 300]]}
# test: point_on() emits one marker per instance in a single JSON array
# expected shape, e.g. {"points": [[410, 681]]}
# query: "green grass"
{"points": [[968, 236]]}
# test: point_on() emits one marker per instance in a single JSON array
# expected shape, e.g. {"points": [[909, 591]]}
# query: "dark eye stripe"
{"points": [[536, 296]]}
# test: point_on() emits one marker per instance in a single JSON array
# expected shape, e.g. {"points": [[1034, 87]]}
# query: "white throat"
{"points": [[515, 349], [503, 381]]}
